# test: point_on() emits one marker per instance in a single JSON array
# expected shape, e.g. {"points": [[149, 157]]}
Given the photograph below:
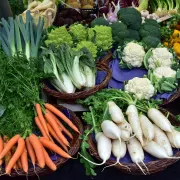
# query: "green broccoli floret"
{"points": [[99, 21], [152, 22], [133, 34], [151, 42], [119, 32], [78, 32], [130, 17], [149, 30], [90, 46], [101, 36]]}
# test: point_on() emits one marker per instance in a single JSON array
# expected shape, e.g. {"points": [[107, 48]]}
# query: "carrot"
{"points": [[41, 118], [38, 148], [30, 151], [60, 124], [56, 137], [41, 128], [9, 145], [61, 115], [7, 157], [13, 151], [19, 165], [53, 147], [48, 161], [16, 155], [54, 125], [24, 160]]}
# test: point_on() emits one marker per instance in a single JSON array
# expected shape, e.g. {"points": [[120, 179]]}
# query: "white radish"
{"points": [[115, 112], [111, 130], [104, 147], [174, 138], [147, 127], [125, 135], [159, 119], [133, 119], [157, 151], [162, 140], [125, 126], [119, 151], [136, 152]]}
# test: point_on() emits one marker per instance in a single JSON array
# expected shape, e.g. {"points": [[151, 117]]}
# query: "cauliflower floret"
{"points": [[164, 72], [133, 54], [142, 88], [160, 57]]}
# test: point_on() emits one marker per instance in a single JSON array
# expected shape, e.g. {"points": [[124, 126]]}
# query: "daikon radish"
{"points": [[133, 119], [125, 126], [115, 112], [159, 119], [111, 130], [147, 127], [161, 139], [125, 135], [136, 153], [174, 138]]}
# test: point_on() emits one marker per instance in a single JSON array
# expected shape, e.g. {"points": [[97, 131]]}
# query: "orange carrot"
{"points": [[41, 128], [8, 156], [48, 161], [30, 151], [54, 125], [61, 115], [56, 137], [19, 165], [16, 155], [9, 145], [60, 124], [53, 147], [24, 160], [38, 148], [41, 118]]}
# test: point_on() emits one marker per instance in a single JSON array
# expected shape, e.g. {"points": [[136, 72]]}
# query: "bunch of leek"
{"points": [[19, 36], [71, 70]]}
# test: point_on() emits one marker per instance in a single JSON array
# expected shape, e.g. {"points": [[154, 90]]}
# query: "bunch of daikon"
{"points": [[46, 8], [141, 127]]}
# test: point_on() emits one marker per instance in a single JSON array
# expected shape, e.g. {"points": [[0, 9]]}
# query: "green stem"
{"points": [[93, 120]]}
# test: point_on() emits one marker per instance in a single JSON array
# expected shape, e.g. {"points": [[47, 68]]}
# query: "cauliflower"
{"points": [[133, 54], [160, 57], [161, 72], [142, 88]]}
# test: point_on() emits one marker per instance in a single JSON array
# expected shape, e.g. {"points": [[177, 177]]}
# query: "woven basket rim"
{"points": [[75, 144], [84, 93], [153, 166]]}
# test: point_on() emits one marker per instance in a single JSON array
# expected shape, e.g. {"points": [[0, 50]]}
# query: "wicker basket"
{"points": [[153, 166], [80, 94], [107, 58], [74, 144]]}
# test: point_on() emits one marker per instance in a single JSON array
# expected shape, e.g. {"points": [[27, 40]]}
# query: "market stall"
{"points": [[90, 82]]}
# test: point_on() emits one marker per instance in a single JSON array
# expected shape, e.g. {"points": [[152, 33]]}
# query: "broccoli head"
{"points": [[150, 42], [99, 21], [130, 17], [119, 32], [152, 22], [150, 30], [132, 34]]}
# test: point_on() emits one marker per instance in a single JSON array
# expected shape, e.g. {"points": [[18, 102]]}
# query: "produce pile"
{"points": [[122, 123]]}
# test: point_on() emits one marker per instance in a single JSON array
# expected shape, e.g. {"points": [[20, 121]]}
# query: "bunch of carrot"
{"points": [[15, 151]]}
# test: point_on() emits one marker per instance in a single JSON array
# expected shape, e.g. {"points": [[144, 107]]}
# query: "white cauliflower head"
{"points": [[164, 72], [142, 88], [133, 54], [160, 57]]}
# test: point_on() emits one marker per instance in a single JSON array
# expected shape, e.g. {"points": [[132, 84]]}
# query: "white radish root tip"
{"points": [[141, 168]]}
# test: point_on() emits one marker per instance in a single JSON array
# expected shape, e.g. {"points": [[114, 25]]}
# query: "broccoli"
{"points": [[149, 30], [119, 32], [150, 42], [130, 17], [134, 35], [99, 21], [152, 22]]}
